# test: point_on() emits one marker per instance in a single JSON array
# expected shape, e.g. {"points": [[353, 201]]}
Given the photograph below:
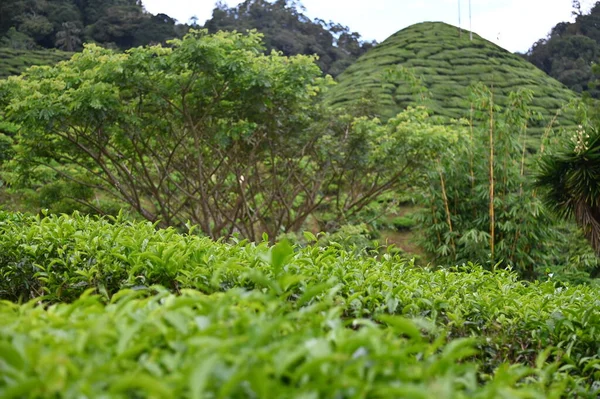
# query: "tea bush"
{"points": [[403, 223], [241, 344], [273, 303], [13, 62]]}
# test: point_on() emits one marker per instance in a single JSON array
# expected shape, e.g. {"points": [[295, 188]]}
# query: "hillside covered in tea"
{"points": [[447, 62], [13, 62]]}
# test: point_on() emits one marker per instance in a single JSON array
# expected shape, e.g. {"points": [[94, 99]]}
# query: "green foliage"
{"points": [[68, 38], [579, 263], [480, 205], [403, 223], [446, 65], [65, 24], [570, 177], [238, 344], [288, 30], [357, 238], [17, 40], [570, 51], [213, 132], [123, 24], [313, 319], [16, 61]]}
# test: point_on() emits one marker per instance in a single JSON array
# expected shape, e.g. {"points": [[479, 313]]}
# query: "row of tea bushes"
{"points": [[242, 344], [56, 259]]}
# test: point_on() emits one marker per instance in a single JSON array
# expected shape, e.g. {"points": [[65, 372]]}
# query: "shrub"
{"points": [[240, 344], [57, 259], [403, 223]]}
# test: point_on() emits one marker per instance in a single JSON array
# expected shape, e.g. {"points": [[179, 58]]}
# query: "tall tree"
{"points": [[570, 50], [209, 131], [287, 29], [68, 38]]}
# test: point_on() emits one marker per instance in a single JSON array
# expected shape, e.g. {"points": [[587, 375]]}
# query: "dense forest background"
{"points": [[571, 50], [122, 24], [67, 24]]}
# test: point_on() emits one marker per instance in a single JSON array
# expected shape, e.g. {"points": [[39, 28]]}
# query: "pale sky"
{"points": [[512, 24]]}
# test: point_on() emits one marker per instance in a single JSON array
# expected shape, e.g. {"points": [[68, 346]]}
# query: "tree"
{"points": [[9, 10], [576, 8], [68, 38], [155, 29], [36, 26], [119, 25], [17, 40], [123, 23], [209, 131], [287, 29], [570, 50], [570, 177]]}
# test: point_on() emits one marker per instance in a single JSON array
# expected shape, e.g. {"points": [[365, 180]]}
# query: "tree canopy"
{"points": [[570, 50], [211, 131], [66, 24], [287, 29]]}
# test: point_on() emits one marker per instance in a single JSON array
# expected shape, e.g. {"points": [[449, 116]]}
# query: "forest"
{"points": [[122, 24], [239, 210], [571, 50]]}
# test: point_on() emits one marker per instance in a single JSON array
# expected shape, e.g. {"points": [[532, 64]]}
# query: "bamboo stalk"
{"points": [[524, 143], [547, 131], [471, 153], [446, 206], [471, 150], [524, 135], [435, 222], [470, 23], [491, 210], [459, 25]]}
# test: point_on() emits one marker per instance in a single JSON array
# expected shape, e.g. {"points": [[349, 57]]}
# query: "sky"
{"points": [[512, 24]]}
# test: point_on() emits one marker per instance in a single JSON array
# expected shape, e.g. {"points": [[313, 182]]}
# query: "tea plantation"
{"points": [[13, 62], [447, 64], [109, 308]]}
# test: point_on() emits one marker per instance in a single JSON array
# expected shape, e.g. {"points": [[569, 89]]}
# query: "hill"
{"points": [[447, 63], [13, 62]]}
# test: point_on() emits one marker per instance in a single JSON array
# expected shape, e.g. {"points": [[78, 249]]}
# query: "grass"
{"points": [[448, 64], [14, 62]]}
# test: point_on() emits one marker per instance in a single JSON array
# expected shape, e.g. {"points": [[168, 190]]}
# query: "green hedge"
{"points": [[240, 345], [58, 258]]}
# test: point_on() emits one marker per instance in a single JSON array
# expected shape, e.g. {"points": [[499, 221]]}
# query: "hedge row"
{"points": [[56, 259], [240, 344]]}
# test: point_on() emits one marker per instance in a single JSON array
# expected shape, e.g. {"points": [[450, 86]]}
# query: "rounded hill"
{"points": [[448, 62]]}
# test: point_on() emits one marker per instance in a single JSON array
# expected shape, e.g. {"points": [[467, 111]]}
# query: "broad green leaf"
{"points": [[401, 326], [280, 253], [200, 376]]}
